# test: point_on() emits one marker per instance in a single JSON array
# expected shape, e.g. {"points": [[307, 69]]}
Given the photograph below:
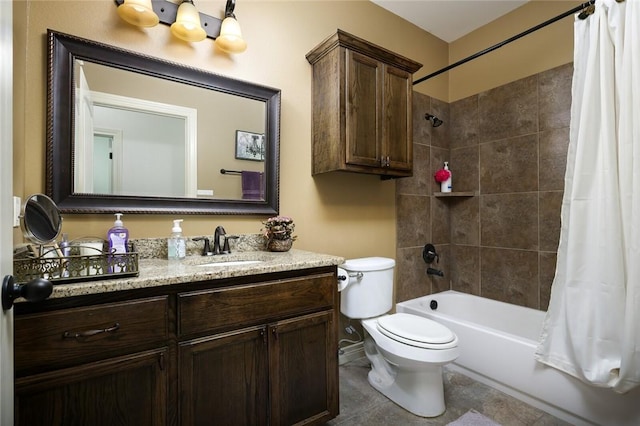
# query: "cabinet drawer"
{"points": [[223, 308], [51, 340]]}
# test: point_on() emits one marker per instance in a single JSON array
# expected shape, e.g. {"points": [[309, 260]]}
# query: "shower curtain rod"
{"points": [[586, 7]]}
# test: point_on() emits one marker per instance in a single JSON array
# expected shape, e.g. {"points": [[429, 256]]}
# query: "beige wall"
{"points": [[529, 55], [342, 214]]}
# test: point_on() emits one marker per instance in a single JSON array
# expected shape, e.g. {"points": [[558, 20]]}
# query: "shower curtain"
{"points": [[592, 327]]}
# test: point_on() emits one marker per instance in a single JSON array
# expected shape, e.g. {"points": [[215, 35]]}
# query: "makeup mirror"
{"points": [[40, 219]]}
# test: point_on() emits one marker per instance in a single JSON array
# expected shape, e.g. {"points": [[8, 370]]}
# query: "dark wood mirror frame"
{"points": [[62, 50]]}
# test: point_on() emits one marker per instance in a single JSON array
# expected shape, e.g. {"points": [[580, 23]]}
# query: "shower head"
{"points": [[435, 121]]}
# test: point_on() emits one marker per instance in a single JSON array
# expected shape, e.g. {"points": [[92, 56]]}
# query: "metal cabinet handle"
{"points": [[89, 333]]}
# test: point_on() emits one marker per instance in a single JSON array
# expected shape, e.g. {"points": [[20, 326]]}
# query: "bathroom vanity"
{"points": [[251, 343]]}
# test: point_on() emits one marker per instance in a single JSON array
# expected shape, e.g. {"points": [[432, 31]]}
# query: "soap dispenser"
{"points": [[445, 186], [118, 236], [177, 244]]}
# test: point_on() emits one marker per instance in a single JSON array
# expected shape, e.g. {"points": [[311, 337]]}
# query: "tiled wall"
{"points": [[508, 145]]}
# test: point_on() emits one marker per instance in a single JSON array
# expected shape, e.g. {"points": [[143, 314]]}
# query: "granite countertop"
{"points": [[160, 272]]}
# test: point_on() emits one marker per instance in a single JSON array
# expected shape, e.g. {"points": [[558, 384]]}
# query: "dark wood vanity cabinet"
{"points": [[362, 108], [258, 351], [270, 349], [97, 365], [127, 390]]}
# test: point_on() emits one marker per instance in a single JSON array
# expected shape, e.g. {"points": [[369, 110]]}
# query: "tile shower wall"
{"points": [[508, 145]]}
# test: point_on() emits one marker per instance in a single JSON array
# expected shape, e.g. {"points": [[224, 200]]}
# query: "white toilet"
{"points": [[406, 351]]}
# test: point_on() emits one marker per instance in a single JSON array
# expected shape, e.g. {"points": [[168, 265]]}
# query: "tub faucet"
{"points": [[220, 232], [432, 271]]}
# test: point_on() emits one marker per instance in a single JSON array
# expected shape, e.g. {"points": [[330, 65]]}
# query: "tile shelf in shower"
{"points": [[455, 194]]}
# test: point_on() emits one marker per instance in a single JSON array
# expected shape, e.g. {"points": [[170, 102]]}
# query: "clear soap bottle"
{"points": [[176, 244]]}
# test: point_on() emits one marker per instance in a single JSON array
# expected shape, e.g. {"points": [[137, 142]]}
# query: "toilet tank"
{"points": [[369, 292]]}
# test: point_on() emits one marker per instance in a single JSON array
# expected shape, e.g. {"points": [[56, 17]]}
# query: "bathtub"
{"points": [[497, 341]]}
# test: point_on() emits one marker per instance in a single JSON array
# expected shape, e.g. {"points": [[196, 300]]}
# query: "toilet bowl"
{"points": [[406, 351]]}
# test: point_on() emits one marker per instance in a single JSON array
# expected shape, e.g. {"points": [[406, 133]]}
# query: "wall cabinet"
{"points": [[250, 350], [362, 108]]}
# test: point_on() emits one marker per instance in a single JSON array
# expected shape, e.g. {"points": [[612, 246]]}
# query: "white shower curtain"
{"points": [[592, 327]]}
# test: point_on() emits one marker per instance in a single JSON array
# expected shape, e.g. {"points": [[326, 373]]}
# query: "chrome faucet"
{"points": [[220, 232]]}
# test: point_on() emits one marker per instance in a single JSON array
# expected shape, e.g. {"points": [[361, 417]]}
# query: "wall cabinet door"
{"points": [[128, 390], [304, 374], [397, 139], [224, 379], [363, 130], [378, 118]]}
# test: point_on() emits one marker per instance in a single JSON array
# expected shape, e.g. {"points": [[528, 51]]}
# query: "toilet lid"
{"points": [[417, 331]]}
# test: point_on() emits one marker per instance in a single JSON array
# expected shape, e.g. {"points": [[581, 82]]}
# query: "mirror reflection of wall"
{"points": [[219, 116], [142, 142]]}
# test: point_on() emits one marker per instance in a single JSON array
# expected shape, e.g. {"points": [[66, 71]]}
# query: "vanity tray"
{"points": [[74, 268]]}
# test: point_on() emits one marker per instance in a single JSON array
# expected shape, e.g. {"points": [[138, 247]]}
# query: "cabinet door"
{"points": [[129, 390], [304, 372], [224, 379], [397, 129], [363, 127]]}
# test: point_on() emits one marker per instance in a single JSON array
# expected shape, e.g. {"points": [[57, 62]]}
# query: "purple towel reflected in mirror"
{"points": [[252, 185]]}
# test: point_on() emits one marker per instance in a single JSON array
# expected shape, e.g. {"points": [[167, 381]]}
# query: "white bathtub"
{"points": [[497, 342]]}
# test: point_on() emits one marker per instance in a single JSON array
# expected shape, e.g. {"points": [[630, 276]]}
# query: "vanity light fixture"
{"points": [[187, 26], [185, 21], [138, 12], [230, 39]]}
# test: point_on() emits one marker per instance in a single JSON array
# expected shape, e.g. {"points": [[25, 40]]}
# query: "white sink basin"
{"points": [[232, 263]]}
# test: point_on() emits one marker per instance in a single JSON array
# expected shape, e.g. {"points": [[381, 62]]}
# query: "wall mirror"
{"points": [[135, 134]]}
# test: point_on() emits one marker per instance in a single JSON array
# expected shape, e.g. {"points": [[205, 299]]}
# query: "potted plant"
{"points": [[278, 233]]}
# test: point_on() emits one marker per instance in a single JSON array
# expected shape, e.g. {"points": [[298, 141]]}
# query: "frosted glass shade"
{"points": [[138, 12], [230, 38], [187, 26]]}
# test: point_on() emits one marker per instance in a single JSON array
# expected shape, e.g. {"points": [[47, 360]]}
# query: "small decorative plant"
{"points": [[279, 228]]}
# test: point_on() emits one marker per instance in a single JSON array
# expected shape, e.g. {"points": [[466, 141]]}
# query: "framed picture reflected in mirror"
{"points": [[249, 146]]}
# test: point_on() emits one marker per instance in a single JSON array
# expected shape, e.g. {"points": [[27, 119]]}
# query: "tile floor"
{"points": [[360, 404]]}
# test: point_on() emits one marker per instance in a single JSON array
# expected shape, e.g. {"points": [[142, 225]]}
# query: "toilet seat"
{"points": [[416, 331]]}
